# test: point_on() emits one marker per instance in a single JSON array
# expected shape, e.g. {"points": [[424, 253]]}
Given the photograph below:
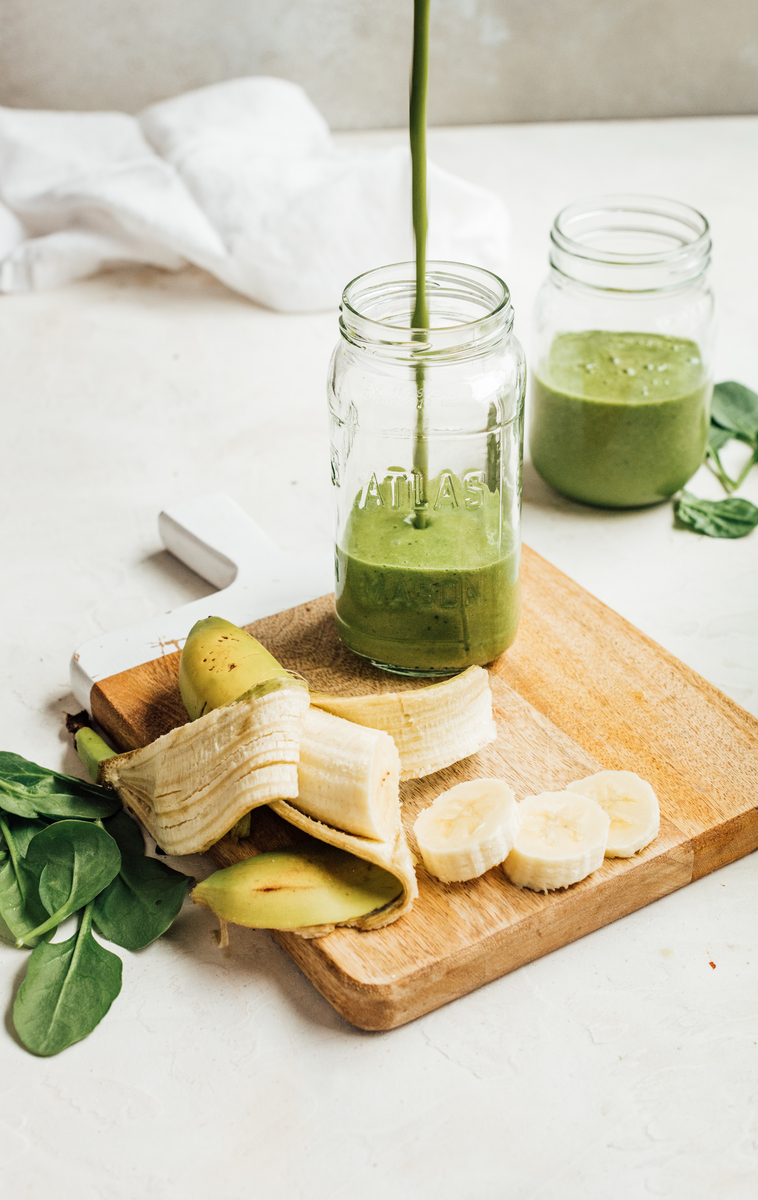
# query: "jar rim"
{"points": [[682, 218], [470, 312], [403, 274]]}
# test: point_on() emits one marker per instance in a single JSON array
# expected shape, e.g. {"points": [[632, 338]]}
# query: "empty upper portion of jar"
{"points": [[631, 244], [469, 312]]}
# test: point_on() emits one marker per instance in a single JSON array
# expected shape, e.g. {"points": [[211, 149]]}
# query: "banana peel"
{"points": [[191, 786], [220, 663], [281, 889], [347, 794], [328, 765], [433, 727], [393, 855], [325, 894]]}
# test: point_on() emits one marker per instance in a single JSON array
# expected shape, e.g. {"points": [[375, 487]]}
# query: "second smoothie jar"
{"points": [[622, 379]]}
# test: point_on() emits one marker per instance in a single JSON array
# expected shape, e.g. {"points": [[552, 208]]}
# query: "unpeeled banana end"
{"points": [[311, 889]]}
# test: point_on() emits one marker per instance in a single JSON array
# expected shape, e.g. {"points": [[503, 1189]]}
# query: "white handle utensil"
{"points": [[218, 540]]}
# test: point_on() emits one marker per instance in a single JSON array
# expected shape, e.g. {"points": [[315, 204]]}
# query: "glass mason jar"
{"points": [[622, 382], [427, 437]]}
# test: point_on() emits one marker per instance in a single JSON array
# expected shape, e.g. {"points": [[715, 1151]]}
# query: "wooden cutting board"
{"points": [[579, 691]]}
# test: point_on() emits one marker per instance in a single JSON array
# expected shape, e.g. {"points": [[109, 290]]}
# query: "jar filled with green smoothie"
{"points": [[426, 464], [622, 381]]}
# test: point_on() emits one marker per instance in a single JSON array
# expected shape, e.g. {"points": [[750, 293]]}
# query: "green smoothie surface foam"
{"points": [[619, 419]]}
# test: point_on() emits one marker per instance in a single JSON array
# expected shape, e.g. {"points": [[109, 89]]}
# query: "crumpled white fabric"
{"points": [[241, 178]]}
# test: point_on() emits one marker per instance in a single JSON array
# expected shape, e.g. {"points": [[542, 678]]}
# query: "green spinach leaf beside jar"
{"points": [[622, 381]]}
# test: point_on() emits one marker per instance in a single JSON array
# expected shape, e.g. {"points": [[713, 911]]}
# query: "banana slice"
{"points": [[632, 806], [467, 829], [562, 838]]}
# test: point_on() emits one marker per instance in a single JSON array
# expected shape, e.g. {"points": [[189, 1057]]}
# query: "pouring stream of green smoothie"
{"points": [[427, 563], [420, 318]]}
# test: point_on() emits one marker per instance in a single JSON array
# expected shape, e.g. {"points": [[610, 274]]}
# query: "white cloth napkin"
{"points": [[240, 178]]}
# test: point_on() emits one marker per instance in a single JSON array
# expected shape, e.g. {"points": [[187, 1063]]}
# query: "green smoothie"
{"points": [[428, 600], [619, 419]]}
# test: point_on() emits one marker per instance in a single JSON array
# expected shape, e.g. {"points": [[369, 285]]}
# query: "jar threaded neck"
{"points": [[629, 243], [469, 312]]}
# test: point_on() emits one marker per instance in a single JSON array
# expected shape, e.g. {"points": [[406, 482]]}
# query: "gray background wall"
{"points": [[492, 60]]}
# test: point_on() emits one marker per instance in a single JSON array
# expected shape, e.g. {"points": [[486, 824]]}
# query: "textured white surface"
{"points": [[623, 1065]]}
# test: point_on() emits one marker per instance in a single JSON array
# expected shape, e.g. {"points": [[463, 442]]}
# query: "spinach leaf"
{"points": [[20, 831], [734, 414], [142, 901], [718, 437], [68, 989], [21, 909], [735, 407], [28, 790], [730, 518], [75, 860]]}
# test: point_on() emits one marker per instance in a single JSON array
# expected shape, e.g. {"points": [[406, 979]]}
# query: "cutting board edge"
{"points": [[383, 1006], [723, 844], [675, 664]]}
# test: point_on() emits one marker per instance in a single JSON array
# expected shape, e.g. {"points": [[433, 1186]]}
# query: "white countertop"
{"points": [[622, 1065]]}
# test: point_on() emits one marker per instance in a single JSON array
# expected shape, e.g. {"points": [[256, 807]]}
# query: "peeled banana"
{"points": [[363, 766], [348, 776], [561, 839], [193, 784], [299, 889], [468, 829], [632, 806], [346, 792], [432, 727]]}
